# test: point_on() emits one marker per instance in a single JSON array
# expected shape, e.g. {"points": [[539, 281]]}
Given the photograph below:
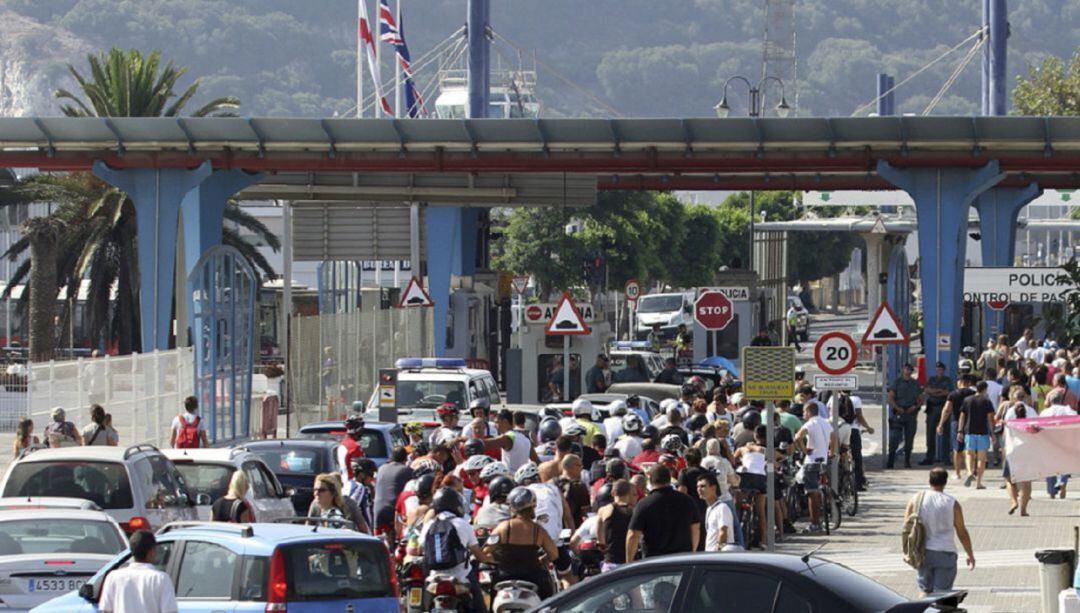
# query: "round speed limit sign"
{"points": [[632, 290], [835, 353]]}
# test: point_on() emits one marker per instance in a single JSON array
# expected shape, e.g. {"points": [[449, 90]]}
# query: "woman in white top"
{"points": [[1017, 408], [751, 458]]}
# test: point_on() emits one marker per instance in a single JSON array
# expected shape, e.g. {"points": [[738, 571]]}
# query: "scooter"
{"points": [[515, 596], [591, 557], [447, 594]]}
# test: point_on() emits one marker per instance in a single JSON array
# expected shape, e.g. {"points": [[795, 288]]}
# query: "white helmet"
{"points": [[667, 402], [672, 443], [584, 408], [573, 430], [494, 469], [528, 473], [477, 462], [675, 409], [632, 423], [617, 408]]}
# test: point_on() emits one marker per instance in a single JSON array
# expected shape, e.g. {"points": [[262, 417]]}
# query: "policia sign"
{"points": [[1012, 285]]}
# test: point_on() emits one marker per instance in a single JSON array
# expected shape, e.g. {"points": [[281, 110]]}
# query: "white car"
{"points": [[46, 552], [207, 472], [137, 486], [423, 384]]}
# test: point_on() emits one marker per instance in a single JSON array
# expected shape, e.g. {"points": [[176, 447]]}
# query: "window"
{"points": [[162, 554], [723, 591], [630, 368], [337, 570], [660, 303], [791, 602], [206, 571], [651, 593], [493, 390], [430, 394], [550, 376], [105, 483], [373, 444], [35, 537], [397, 438], [209, 479], [260, 487], [161, 484], [255, 573], [284, 461]]}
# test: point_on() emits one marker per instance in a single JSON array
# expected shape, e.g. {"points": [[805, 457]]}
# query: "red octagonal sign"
{"points": [[713, 311], [534, 313]]}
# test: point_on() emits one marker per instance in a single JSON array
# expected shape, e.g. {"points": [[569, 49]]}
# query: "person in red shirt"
{"points": [[349, 449]]}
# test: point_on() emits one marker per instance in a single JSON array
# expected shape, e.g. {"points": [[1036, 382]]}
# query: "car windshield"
{"points": [[372, 442], [285, 460], [105, 483], [338, 570], [33, 536], [660, 303], [209, 479], [862, 592], [430, 394]]}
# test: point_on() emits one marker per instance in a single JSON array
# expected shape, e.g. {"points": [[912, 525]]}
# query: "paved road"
{"points": [[1006, 574]]}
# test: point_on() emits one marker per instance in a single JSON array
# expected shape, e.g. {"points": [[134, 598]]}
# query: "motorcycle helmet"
{"points": [[751, 420], [520, 498], [424, 485], [473, 446], [574, 430], [650, 431], [672, 443], [631, 423], [617, 408], [688, 389], [365, 466], [477, 462], [528, 473], [447, 409], [354, 424], [616, 469], [426, 466], [447, 499], [494, 469], [500, 488], [549, 429], [584, 408], [603, 495], [479, 403], [670, 461]]}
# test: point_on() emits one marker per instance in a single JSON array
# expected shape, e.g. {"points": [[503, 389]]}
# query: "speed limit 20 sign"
{"points": [[835, 353]]}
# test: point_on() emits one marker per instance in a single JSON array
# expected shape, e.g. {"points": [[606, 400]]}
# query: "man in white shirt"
{"points": [[819, 441], [139, 587], [450, 508], [719, 520]]}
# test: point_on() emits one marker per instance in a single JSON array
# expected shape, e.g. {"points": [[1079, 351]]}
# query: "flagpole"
{"points": [[396, 64], [359, 60]]}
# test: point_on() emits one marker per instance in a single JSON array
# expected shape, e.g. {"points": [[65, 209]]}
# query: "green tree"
{"points": [[98, 238], [1067, 315], [42, 235], [536, 242], [1050, 89]]}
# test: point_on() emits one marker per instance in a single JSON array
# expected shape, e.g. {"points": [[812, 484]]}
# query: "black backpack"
{"points": [[442, 547], [845, 408]]}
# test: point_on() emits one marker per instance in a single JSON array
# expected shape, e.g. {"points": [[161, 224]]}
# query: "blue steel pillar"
{"points": [[997, 50], [157, 194], [998, 210], [898, 295], [451, 249], [203, 211], [943, 197]]}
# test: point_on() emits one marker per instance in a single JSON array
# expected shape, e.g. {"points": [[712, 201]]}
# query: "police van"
{"points": [[424, 384]]}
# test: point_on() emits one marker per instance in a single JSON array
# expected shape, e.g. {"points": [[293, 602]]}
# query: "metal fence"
{"points": [[335, 358], [142, 392]]}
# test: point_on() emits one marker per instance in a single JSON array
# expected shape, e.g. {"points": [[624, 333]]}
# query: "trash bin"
{"points": [[1055, 574]]}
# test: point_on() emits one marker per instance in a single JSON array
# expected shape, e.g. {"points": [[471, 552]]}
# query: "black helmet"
{"points": [[650, 431], [616, 469], [520, 498], [500, 488], [354, 424], [447, 499], [424, 485], [473, 446], [688, 389], [421, 448], [364, 465], [751, 420], [549, 430], [603, 495]]}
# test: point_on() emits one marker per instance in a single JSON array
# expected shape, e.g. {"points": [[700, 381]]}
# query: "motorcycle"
{"points": [[591, 558], [447, 594], [515, 596]]}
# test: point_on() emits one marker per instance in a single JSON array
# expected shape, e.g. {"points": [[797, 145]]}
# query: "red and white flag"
{"points": [[368, 42]]}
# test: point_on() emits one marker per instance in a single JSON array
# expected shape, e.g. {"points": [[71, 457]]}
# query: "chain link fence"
{"points": [[335, 358]]}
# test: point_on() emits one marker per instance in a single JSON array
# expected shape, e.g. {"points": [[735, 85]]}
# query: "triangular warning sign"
{"points": [[520, 284], [567, 320], [879, 227], [415, 296], [885, 328]]}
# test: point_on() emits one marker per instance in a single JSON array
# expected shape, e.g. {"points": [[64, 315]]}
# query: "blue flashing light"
{"points": [[412, 363], [632, 345]]}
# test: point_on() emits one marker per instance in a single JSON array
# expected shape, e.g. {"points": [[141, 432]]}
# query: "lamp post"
{"points": [[754, 104]]}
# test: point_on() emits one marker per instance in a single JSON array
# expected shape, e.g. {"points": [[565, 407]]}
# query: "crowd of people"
{"points": [[60, 432]]}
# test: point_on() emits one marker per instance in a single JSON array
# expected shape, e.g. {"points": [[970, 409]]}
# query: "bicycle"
{"points": [[748, 516], [831, 505], [848, 493]]}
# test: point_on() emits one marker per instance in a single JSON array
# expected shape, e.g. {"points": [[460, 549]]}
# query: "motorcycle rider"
{"points": [[613, 425], [587, 415], [552, 511], [629, 444], [495, 510], [349, 449], [448, 539], [613, 522], [549, 431], [449, 433], [521, 547], [516, 448]]}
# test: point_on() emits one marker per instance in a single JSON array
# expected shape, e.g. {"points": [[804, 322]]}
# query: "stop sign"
{"points": [[713, 311], [534, 313], [997, 305]]}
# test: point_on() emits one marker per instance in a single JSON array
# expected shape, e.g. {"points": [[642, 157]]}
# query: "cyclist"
{"points": [[818, 440], [613, 425], [752, 477], [449, 433]]}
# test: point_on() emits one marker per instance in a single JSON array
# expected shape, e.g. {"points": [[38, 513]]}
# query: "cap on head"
{"points": [[58, 413]]}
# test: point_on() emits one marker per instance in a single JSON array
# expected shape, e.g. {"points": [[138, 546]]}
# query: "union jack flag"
{"points": [[389, 32]]}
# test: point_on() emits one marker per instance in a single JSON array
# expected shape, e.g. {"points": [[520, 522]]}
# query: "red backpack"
{"points": [[188, 437]]}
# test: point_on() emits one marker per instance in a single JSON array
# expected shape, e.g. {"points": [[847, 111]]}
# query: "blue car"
{"points": [[260, 567]]}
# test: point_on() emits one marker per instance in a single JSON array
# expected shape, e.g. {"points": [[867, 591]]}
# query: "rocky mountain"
{"points": [[32, 64]]}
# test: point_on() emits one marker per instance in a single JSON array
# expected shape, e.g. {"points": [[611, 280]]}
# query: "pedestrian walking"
{"points": [[139, 587], [60, 432], [976, 424], [905, 398], [188, 430], [1019, 493], [943, 519], [666, 521], [231, 507], [97, 433], [24, 437], [719, 520]]}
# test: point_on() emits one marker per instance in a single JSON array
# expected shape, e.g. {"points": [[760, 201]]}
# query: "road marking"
{"points": [[889, 562]]}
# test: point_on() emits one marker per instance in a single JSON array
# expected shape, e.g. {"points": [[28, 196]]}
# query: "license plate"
{"points": [[54, 584], [416, 595]]}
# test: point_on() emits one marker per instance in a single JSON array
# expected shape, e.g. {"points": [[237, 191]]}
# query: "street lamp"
{"points": [[757, 99]]}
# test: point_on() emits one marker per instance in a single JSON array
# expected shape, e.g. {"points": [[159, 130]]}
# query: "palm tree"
{"points": [[42, 235], [97, 241]]}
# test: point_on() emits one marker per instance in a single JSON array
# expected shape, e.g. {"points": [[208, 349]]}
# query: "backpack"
{"points": [[60, 434], [442, 546], [188, 437], [913, 538], [845, 409]]}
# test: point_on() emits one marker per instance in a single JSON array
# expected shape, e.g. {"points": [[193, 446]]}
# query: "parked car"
{"points": [[738, 582], [601, 401], [46, 551], [260, 567], [138, 486], [295, 462], [654, 391], [376, 440], [633, 362], [207, 473]]}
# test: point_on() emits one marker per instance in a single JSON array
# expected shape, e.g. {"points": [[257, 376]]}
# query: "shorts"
{"points": [[957, 445], [752, 482], [844, 434], [811, 476], [977, 442], [938, 572]]}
